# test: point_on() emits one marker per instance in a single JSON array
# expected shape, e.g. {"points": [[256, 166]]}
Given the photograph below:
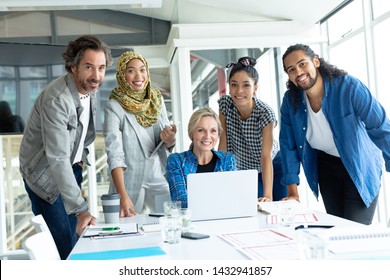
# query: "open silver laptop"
{"points": [[222, 195]]}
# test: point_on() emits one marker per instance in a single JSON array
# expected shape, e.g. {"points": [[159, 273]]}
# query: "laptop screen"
{"points": [[222, 195]]}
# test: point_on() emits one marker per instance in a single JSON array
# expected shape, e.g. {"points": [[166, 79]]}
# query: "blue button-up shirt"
{"points": [[179, 165], [360, 128]]}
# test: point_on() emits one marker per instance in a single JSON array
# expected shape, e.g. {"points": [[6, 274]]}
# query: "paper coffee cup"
{"points": [[111, 206]]}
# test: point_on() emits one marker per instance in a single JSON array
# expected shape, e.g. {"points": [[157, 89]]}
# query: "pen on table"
{"points": [[110, 228], [313, 226], [123, 234], [156, 215]]}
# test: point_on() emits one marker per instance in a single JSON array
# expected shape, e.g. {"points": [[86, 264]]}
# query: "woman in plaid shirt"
{"points": [[248, 125]]}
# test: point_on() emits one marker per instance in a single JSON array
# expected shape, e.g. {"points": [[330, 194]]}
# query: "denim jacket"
{"points": [[360, 128], [179, 165], [50, 142]]}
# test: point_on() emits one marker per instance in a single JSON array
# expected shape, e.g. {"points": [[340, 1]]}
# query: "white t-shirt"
{"points": [[318, 134], [85, 100]]}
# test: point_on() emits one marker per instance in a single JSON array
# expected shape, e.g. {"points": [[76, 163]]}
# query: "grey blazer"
{"points": [[50, 142], [128, 145]]}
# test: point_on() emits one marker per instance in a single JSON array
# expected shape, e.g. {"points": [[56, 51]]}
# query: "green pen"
{"points": [[110, 228]]}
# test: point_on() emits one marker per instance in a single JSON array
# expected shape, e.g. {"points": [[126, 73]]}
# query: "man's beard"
{"points": [[313, 81], [84, 84]]}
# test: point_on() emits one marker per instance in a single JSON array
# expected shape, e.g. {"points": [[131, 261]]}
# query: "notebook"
{"points": [[222, 195], [358, 239]]}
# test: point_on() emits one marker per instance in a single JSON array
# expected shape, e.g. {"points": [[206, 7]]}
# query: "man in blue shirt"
{"points": [[332, 124]]}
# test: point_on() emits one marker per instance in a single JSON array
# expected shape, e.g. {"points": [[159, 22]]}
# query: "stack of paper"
{"points": [[263, 244]]}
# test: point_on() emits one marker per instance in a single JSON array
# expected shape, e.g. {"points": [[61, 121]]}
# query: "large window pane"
{"points": [[57, 70], [29, 90], [33, 72], [349, 19], [382, 56], [8, 93], [351, 56], [267, 90], [7, 72], [380, 7]]}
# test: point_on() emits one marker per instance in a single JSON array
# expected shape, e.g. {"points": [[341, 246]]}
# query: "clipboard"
{"points": [[107, 231]]}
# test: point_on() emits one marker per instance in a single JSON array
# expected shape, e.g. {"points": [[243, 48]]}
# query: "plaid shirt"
{"points": [[245, 138], [179, 165]]}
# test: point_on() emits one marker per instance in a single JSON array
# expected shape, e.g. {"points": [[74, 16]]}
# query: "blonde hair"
{"points": [[197, 115]]}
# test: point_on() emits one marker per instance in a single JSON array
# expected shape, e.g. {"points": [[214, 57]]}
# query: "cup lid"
{"points": [[111, 196]]}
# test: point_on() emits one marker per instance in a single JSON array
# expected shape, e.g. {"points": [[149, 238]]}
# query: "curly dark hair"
{"points": [[75, 50], [326, 70], [246, 64]]}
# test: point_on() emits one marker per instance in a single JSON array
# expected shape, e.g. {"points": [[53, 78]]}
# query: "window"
{"points": [[350, 54], [351, 57], [346, 21], [382, 58], [380, 7]]}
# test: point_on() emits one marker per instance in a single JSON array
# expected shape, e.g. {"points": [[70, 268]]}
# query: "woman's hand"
{"points": [[264, 199], [291, 197], [127, 207], [292, 193], [168, 135]]}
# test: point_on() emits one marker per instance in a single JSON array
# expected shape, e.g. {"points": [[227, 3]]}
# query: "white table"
{"points": [[213, 248]]}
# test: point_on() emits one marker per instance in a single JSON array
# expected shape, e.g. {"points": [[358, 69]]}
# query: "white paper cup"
{"points": [[111, 206]]}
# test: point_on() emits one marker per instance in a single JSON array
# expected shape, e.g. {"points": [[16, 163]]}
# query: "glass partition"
{"points": [[17, 205]]}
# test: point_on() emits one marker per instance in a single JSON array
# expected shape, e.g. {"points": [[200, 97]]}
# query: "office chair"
{"points": [[39, 223], [41, 246]]}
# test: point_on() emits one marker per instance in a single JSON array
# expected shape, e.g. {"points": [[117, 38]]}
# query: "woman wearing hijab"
{"points": [[135, 123]]}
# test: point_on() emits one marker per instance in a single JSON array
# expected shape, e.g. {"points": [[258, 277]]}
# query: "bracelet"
{"points": [[171, 147]]}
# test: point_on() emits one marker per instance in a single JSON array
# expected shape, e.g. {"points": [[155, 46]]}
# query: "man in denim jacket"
{"points": [[60, 127], [335, 128]]}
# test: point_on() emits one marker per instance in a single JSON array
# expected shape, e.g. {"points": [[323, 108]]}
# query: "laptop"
{"points": [[222, 195]]}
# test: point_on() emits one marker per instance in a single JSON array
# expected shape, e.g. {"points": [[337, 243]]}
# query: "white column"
{"points": [[182, 107], [3, 234], [92, 186]]}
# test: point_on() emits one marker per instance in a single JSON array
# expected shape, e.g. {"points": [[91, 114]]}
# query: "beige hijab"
{"points": [[144, 104]]}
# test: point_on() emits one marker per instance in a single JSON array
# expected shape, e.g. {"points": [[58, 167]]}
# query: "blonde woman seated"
{"points": [[204, 130]]}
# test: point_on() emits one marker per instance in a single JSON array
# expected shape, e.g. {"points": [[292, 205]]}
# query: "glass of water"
{"points": [[286, 216], [172, 208], [312, 246], [185, 214], [171, 228]]}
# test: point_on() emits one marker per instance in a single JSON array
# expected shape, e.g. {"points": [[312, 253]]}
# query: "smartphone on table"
{"points": [[194, 235]]}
